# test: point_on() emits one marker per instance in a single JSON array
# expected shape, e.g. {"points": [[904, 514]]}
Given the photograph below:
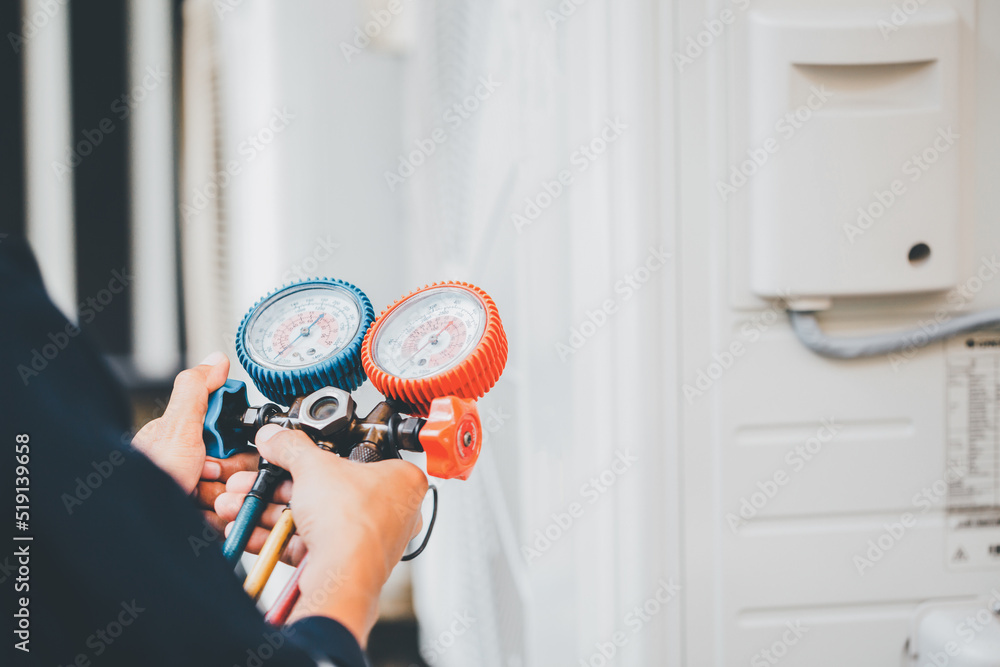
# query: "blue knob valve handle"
{"points": [[225, 433]]}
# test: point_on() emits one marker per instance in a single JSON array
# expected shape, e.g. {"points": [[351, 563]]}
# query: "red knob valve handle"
{"points": [[452, 437]]}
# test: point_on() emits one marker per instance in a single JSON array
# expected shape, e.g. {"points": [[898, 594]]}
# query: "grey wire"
{"points": [[806, 327]]}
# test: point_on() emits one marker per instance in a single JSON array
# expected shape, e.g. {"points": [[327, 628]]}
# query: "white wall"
{"points": [[300, 135], [666, 517], [309, 198], [559, 423]]}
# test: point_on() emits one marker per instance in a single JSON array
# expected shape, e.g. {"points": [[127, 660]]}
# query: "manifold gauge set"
{"points": [[308, 345]]}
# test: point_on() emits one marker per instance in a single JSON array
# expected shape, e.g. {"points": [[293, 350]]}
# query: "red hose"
{"points": [[289, 595]]}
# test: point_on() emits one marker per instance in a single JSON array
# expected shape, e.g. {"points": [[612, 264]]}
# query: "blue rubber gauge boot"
{"points": [[305, 336]]}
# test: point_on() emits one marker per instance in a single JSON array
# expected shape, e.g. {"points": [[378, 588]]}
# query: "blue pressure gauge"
{"points": [[305, 336]]}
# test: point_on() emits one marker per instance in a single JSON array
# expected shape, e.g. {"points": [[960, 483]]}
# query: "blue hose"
{"points": [[243, 526]]}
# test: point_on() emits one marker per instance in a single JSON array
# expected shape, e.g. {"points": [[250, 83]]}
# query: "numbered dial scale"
{"points": [[445, 339], [305, 336]]}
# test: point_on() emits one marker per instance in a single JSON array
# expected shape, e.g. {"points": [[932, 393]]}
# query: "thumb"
{"points": [[291, 450], [217, 370], [192, 386]]}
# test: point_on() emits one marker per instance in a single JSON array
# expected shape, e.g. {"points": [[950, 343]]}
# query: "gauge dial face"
{"points": [[301, 327], [429, 333]]}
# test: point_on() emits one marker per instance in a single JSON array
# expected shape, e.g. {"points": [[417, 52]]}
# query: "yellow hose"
{"points": [[270, 554]]}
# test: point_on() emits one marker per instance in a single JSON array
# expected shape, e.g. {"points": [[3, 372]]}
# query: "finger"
{"points": [[295, 551], [192, 386], [292, 554], [227, 505], [211, 470], [246, 461], [292, 450], [406, 475], [269, 517], [207, 492], [241, 483], [215, 521]]}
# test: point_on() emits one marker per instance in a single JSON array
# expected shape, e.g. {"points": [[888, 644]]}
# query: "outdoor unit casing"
{"points": [[853, 165]]}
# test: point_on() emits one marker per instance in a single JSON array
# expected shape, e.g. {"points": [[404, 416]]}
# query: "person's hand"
{"points": [[228, 503], [355, 520], [174, 441]]}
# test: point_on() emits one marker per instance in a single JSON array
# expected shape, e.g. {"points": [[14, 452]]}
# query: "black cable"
{"points": [[430, 529]]}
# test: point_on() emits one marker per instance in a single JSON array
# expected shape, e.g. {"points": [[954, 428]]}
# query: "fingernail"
{"points": [[213, 359], [267, 432], [212, 470]]}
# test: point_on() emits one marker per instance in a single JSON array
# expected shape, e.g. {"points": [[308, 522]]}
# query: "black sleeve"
{"points": [[119, 569]]}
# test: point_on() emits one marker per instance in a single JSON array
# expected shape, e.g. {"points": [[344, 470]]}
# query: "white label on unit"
{"points": [[973, 451]]}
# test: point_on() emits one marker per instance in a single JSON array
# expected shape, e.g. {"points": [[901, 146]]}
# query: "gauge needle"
{"points": [[303, 332], [432, 339]]}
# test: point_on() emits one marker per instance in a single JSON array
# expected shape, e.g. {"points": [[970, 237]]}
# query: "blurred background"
{"points": [[669, 476]]}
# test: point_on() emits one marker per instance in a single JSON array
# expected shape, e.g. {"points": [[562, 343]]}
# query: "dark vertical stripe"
{"points": [[11, 122], [178, 64], [102, 103]]}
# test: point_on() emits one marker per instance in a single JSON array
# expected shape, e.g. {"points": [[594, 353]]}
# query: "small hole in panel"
{"points": [[919, 253]]}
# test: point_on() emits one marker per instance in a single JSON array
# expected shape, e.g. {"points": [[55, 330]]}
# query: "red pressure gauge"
{"points": [[443, 340]]}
